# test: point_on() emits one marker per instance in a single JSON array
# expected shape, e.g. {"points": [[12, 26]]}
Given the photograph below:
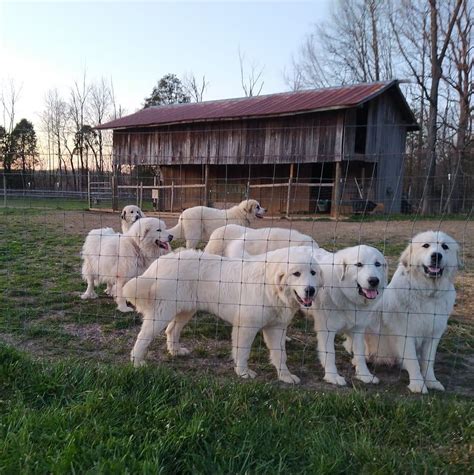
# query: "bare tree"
{"points": [[9, 98], [355, 45], [251, 81], [194, 87]]}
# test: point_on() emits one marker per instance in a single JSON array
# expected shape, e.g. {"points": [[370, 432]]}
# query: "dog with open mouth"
{"points": [[114, 258], [353, 282], [415, 309], [263, 293]]}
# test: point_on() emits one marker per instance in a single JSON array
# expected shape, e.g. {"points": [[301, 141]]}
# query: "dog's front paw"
{"points": [[125, 309], [435, 385], [367, 378], [335, 379], [245, 373], [418, 387], [87, 296], [138, 363], [289, 378], [181, 351]]}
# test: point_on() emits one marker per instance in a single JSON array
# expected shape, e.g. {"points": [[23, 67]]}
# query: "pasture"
{"points": [[71, 402]]}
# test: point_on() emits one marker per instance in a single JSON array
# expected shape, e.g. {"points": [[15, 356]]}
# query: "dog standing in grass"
{"points": [[415, 309], [261, 293], [197, 223], [113, 258]]}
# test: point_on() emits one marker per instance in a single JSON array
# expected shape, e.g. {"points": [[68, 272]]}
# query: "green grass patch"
{"points": [[83, 418]]}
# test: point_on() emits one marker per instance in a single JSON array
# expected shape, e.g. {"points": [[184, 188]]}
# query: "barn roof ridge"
{"points": [[268, 105]]}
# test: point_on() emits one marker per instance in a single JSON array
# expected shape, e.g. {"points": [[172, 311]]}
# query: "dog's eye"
{"points": [[297, 274], [377, 264], [313, 272], [426, 246], [445, 246], [359, 264], [158, 230]]}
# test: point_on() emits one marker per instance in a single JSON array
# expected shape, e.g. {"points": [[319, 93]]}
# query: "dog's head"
{"points": [[432, 254], [361, 272], [131, 213], [252, 209], [151, 234], [296, 275]]}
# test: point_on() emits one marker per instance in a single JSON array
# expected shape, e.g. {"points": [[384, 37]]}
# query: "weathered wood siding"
{"points": [[297, 139]]}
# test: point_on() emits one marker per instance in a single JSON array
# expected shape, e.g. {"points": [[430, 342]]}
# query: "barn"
{"points": [[325, 150]]}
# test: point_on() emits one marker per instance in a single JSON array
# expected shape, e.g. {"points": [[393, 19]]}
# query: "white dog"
{"points": [[114, 258], [197, 223], [353, 279], [129, 215], [416, 307], [263, 293], [238, 241]]}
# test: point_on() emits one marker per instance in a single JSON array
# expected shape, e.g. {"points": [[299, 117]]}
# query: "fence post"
{"points": [[114, 193], [336, 191], [141, 195], [206, 185], [288, 197], [89, 198], [4, 190], [172, 195]]}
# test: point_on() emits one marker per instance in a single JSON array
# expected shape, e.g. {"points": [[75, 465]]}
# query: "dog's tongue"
{"points": [[433, 269], [307, 302], [370, 293]]}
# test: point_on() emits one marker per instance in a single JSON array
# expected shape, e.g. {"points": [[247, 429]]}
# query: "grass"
{"points": [[73, 404], [81, 418]]}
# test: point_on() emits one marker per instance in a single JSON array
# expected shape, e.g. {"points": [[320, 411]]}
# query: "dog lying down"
{"points": [[354, 279], [262, 293], [237, 241], [197, 223], [129, 215], [113, 258], [415, 309]]}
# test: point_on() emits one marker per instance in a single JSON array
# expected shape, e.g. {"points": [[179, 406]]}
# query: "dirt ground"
{"points": [[212, 355]]}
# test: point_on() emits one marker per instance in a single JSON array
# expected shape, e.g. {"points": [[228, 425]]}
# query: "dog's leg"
{"points": [[150, 328], [121, 302], [359, 361], [407, 350], [428, 355], [275, 339], [327, 357], [90, 292], [242, 339], [173, 333]]}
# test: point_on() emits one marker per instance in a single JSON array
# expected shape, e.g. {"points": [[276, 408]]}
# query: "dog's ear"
{"points": [[139, 213], [279, 277], [122, 216], [249, 206], [340, 267], [405, 257]]}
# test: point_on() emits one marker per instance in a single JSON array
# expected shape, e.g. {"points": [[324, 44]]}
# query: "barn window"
{"points": [[361, 129]]}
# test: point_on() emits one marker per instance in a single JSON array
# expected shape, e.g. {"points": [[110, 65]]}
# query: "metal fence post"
{"points": [[4, 190], [141, 195], [89, 198]]}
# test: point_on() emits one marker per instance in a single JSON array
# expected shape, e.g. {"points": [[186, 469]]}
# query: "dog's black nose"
{"points": [[170, 237], [436, 257], [373, 281], [309, 291]]}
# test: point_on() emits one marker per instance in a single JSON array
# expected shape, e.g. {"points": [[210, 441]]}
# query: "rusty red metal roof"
{"points": [[286, 103]]}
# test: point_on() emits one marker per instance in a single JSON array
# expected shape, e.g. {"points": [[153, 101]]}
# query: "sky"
{"points": [[50, 45]]}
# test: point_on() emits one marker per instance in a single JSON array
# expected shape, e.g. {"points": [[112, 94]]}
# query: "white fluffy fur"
{"points": [[238, 241], [197, 223], [114, 258], [262, 293], [343, 306], [415, 310], [129, 215]]}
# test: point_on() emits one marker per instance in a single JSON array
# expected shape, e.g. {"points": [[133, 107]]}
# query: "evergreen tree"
{"points": [[169, 90]]}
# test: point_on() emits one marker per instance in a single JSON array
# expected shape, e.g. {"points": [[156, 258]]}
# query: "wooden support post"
{"points": [[89, 198], [206, 185], [172, 195], [114, 193], [141, 195], [288, 196], [336, 191], [4, 190]]}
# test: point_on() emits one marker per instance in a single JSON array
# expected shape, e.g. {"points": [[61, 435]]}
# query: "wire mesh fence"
{"points": [[332, 285]]}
